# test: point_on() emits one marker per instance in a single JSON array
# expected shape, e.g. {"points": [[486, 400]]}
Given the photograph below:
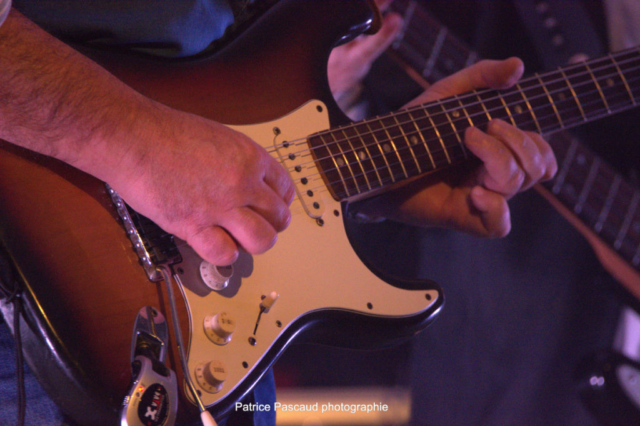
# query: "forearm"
{"points": [[59, 103]]}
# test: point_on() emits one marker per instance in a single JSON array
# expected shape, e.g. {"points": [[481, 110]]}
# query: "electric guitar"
{"points": [[78, 248], [88, 262], [587, 190]]}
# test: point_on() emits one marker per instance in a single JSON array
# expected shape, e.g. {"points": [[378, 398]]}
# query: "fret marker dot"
{"points": [[340, 162], [362, 155], [414, 140], [386, 147], [610, 82], [518, 109], [456, 114]]}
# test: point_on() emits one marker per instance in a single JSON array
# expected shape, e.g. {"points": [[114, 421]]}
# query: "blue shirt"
{"points": [[170, 28]]}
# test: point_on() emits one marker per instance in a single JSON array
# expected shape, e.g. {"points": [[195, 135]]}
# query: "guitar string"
{"points": [[449, 60], [437, 115], [615, 74], [456, 56], [463, 119], [438, 150], [614, 105]]}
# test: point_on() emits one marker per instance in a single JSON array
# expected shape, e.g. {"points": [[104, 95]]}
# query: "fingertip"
{"points": [[511, 71], [494, 211], [392, 22], [215, 246]]}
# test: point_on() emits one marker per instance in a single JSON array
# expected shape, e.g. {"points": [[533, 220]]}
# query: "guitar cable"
{"points": [[205, 415], [13, 295]]}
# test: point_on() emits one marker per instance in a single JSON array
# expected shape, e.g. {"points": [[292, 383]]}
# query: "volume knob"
{"points": [[219, 327], [215, 277], [211, 375]]}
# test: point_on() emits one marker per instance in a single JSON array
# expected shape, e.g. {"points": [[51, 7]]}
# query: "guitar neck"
{"points": [[588, 186], [599, 196], [369, 155], [427, 46]]}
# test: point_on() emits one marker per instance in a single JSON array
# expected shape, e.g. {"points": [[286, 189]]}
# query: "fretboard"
{"points": [[599, 196], [589, 187], [368, 155], [427, 46]]}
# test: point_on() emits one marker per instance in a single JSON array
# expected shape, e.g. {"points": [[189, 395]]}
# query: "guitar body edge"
{"points": [[84, 284]]}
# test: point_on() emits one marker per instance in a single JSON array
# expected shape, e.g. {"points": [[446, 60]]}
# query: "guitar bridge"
{"points": [[152, 245]]}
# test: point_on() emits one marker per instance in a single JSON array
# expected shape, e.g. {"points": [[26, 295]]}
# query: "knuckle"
{"points": [[517, 179]]}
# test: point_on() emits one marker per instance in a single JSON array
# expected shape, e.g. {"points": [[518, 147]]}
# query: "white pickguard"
{"points": [[311, 267]]}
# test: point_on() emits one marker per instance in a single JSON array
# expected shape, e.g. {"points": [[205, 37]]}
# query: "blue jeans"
{"points": [[42, 411]]}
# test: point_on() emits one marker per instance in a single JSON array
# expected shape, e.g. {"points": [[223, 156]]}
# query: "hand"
{"points": [[209, 185], [199, 180], [473, 201], [350, 63]]}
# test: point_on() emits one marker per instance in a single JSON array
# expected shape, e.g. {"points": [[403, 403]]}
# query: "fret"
{"points": [[484, 107], [597, 83], [341, 162], [331, 172], [435, 52], [573, 93], [464, 110], [359, 160], [551, 102], [627, 221], [382, 153], [623, 78], [506, 108], [604, 213], [413, 154], [424, 142], [585, 85], [367, 161], [612, 84], [430, 134], [629, 64], [453, 126], [543, 110], [566, 164], [533, 113], [587, 186], [378, 161], [391, 139], [439, 136]]}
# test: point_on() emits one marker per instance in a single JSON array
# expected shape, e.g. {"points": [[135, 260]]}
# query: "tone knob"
{"points": [[219, 327], [211, 375], [215, 277]]}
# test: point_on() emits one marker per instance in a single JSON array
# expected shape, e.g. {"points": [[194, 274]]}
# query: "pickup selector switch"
{"points": [[219, 327], [211, 375]]}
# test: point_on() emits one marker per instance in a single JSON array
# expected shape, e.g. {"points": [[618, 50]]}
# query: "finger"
{"points": [[370, 47], [273, 208], [547, 154], [252, 231], [277, 178], [214, 245], [487, 73], [383, 4], [503, 173], [494, 212], [525, 150]]}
